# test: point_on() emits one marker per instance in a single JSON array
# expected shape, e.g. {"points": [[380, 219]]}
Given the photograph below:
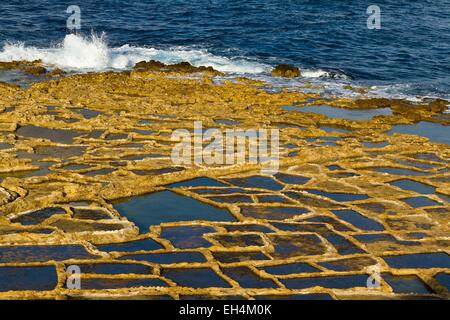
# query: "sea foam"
{"points": [[78, 53]]}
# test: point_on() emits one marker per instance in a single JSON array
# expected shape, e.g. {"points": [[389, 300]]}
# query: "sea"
{"points": [[397, 48]]}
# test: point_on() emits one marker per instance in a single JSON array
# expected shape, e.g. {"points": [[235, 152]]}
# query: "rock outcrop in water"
{"points": [[182, 67], [34, 68], [55, 73], [286, 71]]}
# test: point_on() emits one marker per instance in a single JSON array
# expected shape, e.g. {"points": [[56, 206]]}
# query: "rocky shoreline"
{"points": [[77, 143]]}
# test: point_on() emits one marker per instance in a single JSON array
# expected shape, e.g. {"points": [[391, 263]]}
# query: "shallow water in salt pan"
{"points": [[55, 135], [28, 278], [167, 206], [348, 114], [435, 132]]}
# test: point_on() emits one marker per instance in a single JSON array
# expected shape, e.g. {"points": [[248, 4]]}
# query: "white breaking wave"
{"points": [[78, 53], [320, 73], [75, 52], [315, 73]]}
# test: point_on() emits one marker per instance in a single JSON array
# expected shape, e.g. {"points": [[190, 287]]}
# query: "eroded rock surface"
{"points": [[349, 196]]}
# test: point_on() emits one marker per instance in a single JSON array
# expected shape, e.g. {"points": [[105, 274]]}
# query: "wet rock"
{"points": [[31, 67], [182, 67], [285, 71], [151, 65], [56, 73], [35, 70]]}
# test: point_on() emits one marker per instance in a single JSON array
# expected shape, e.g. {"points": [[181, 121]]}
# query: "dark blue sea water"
{"points": [[410, 54]]}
